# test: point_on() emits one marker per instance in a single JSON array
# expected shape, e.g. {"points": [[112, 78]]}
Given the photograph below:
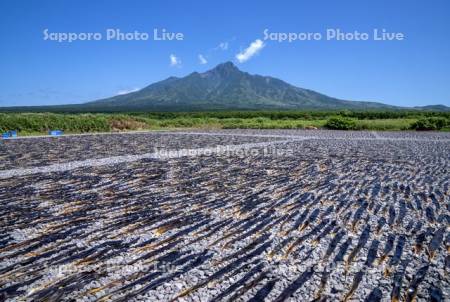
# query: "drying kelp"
{"points": [[339, 217]]}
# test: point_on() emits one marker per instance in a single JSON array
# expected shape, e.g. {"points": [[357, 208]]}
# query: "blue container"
{"points": [[5, 135]]}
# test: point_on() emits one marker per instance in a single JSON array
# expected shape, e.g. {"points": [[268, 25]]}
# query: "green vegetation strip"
{"points": [[39, 123]]}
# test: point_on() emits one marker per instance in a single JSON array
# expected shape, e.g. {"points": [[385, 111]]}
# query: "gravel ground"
{"points": [[340, 216], [41, 151]]}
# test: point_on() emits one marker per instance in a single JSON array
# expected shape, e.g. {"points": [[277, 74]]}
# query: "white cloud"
{"points": [[202, 59], [125, 91], [250, 51], [223, 45], [174, 60]]}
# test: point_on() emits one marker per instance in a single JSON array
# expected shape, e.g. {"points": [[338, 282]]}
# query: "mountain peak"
{"points": [[225, 68], [227, 64]]}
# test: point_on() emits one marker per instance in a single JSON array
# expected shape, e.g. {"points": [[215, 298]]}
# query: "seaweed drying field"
{"points": [[268, 216]]}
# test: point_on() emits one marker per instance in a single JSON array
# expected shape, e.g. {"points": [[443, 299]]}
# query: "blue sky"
{"points": [[415, 71]]}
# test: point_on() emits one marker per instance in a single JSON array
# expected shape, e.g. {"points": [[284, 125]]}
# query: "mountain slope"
{"points": [[226, 87], [433, 108]]}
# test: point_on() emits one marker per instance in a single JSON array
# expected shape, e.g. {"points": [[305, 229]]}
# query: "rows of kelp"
{"points": [[331, 220]]}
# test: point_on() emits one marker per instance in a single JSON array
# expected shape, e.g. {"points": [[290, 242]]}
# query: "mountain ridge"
{"points": [[227, 87]]}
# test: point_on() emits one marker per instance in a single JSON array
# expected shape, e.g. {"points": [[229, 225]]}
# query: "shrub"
{"points": [[430, 123], [126, 123], [340, 123], [42, 122]]}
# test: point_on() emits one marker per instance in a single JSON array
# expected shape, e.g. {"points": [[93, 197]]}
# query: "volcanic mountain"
{"points": [[226, 87]]}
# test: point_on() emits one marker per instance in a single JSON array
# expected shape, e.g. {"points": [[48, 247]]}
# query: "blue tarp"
{"points": [[8, 134], [55, 132]]}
